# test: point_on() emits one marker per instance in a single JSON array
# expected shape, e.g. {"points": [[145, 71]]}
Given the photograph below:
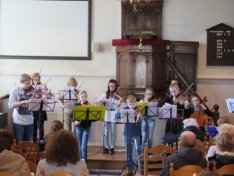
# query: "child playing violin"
{"points": [[39, 116], [69, 104], [22, 118], [83, 127], [112, 99], [148, 122], [198, 111]]}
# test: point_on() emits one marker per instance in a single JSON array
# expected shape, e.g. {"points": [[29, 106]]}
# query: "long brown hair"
{"points": [[108, 92], [62, 148]]}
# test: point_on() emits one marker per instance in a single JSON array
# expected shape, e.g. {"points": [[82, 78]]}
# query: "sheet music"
{"points": [[152, 109], [69, 93], [126, 116], [230, 104], [168, 111], [35, 104]]}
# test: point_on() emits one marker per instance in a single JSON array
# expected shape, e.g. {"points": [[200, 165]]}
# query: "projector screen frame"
{"points": [[88, 57]]}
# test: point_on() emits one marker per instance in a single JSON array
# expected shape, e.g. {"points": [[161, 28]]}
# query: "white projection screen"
{"points": [[45, 29]]}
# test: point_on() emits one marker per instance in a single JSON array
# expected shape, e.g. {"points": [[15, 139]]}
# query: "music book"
{"points": [[126, 116], [152, 109], [88, 113], [41, 105], [230, 104], [168, 111]]}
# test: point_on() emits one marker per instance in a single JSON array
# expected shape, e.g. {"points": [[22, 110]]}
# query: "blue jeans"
{"points": [[23, 132], [83, 136], [109, 128], [147, 131], [131, 149]]}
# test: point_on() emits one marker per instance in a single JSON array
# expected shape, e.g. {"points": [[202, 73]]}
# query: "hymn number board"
{"points": [[220, 45]]}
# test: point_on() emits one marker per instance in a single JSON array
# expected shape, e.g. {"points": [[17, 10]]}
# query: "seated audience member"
{"points": [[185, 155], [10, 161], [224, 154], [62, 154], [56, 125], [223, 128], [190, 124]]}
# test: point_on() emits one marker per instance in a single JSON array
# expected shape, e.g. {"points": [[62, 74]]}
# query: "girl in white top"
{"points": [[22, 117]]}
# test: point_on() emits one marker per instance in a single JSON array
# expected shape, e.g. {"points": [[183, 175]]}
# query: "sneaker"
{"points": [[112, 151], [105, 151]]}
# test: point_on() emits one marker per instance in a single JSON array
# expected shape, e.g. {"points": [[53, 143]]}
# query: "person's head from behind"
{"points": [[36, 78], [6, 140], [62, 148], [190, 122], [25, 81], [226, 128], [56, 125], [131, 100], [149, 94], [187, 139], [83, 97], [112, 86], [174, 88], [72, 82], [223, 120], [225, 142]]}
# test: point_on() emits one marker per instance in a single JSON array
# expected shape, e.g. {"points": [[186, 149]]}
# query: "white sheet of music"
{"points": [[230, 104], [69, 93], [48, 105], [127, 115], [168, 111], [152, 109]]}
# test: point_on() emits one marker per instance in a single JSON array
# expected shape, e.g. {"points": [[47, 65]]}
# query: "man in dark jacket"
{"points": [[185, 155]]}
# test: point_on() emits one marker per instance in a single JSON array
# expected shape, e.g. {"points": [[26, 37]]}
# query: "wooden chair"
{"points": [[154, 158], [201, 146], [61, 174], [227, 169], [29, 150], [188, 170], [40, 156], [32, 166], [5, 174]]}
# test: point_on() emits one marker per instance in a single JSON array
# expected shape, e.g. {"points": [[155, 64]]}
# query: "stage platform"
{"points": [[97, 160]]}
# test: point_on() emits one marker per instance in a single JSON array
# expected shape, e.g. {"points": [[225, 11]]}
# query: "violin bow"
{"points": [[188, 88]]}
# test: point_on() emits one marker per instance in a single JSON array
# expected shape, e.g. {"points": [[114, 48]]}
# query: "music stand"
{"points": [[67, 94], [127, 117], [88, 113], [41, 105]]}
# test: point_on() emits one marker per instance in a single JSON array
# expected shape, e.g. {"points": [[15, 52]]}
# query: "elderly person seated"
{"points": [[224, 154], [185, 155], [190, 124], [62, 154], [10, 161], [223, 128]]}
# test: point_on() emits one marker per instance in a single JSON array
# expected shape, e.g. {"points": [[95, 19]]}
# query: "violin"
{"points": [[28, 93], [181, 99]]}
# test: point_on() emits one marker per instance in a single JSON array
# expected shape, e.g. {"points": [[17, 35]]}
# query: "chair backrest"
{"points": [[61, 174], [5, 174], [32, 166], [188, 170], [154, 158], [227, 169], [29, 150]]}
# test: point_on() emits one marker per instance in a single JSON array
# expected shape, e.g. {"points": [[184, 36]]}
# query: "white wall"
{"points": [[183, 20]]}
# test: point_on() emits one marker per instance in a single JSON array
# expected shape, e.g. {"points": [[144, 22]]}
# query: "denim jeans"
{"points": [[147, 131], [83, 136], [23, 132], [109, 128], [131, 149]]}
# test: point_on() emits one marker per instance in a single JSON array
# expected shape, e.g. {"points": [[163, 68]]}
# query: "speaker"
{"points": [[95, 47]]}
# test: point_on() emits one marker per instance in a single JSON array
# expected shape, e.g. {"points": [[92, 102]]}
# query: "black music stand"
{"points": [[88, 113], [68, 94], [127, 117], [41, 105]]}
